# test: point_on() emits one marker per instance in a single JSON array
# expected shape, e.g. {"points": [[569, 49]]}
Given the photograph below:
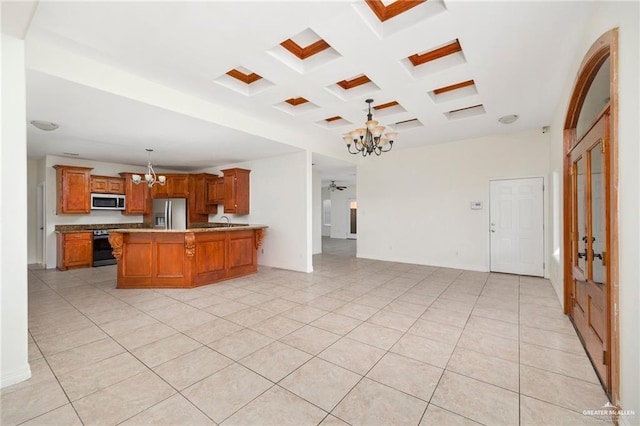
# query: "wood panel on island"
{"points": [[183, 259]]}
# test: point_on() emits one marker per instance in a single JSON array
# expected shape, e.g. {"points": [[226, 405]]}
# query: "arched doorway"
{"points": [[590, 209]]}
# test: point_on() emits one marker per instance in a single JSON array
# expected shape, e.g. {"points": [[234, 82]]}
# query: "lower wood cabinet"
{"points": [[75, 250], [157, 259]]}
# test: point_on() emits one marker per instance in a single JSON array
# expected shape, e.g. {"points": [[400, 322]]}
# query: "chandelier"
{"points": [[369, 140], [150, 177]]}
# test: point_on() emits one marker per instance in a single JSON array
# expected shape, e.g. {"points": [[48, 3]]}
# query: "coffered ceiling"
{"points": [[437, 71]]}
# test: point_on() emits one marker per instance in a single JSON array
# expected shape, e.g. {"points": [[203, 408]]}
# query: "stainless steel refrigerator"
{"points": [[170, 213]]}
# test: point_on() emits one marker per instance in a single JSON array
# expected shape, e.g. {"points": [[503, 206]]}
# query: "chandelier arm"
{"points": [[349, 149], [387, 150]]}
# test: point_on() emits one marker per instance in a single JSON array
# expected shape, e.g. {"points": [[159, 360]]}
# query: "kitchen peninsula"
{"points": [[166, 258]]}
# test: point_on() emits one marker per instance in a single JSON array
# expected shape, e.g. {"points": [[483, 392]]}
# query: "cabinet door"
{"points": [[198, 194], [219, 192], [236, 191], [74, 190], [99, 185], [136, 196], [115, 186], [107, 185], [211, 192], [178, 186], [75, 250]]}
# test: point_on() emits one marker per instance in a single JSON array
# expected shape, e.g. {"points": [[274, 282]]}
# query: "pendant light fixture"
{"points": [[369, 140], [150, 177]]}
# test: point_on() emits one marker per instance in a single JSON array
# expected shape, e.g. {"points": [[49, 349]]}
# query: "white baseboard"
{"points": [[16, 376]]}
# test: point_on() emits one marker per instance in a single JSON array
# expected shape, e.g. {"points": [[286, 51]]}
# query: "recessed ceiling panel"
{"points": [[304, 51], [466, 112], [243, 81], [385, 109], [333, 122], [454, 92], [406, 124], [434, 60], [353, 87], [295, 106], [389, 17]]}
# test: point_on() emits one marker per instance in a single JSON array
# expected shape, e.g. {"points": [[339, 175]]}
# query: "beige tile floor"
{"points": [[355, 342]]}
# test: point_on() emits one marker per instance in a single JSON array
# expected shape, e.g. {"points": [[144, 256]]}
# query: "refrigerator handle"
{"points": [[166, 214], [170, 215]]}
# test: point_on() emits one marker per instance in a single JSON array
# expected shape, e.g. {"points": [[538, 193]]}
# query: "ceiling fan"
{"points": [[333, 186]]}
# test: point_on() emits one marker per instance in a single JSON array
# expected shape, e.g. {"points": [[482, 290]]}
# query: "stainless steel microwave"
{"points": [[107, 202]]}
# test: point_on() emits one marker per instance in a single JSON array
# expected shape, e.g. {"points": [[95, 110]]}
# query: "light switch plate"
{"points": [[476, 205]]}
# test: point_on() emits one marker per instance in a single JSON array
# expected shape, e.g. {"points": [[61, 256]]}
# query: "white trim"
{"points": [[15, 376]]}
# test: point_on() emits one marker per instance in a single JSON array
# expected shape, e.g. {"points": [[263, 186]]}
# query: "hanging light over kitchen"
{"points": [[369, 140], [150, 177]]}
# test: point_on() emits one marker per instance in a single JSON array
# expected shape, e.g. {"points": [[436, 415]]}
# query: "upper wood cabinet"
{"points": [[215, 191], [107, 185], [73, 186], [201, 185], [176, 186], [236, 191], [137, 199]]}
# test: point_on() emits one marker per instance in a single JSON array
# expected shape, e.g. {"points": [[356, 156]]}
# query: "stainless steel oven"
{"points": [[102, 251]]}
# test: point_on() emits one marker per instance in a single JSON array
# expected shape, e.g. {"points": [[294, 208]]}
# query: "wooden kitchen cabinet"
{"points": [[136, 197], [236, 191], [73, 188], [176, 186], [201, 185], [75, 250], [107, 185], [215, 191]]}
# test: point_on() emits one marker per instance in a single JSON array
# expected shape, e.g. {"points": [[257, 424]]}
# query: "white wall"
{"points": [[280, 191], [14, 365], [317, 213], [340, 211], [626, 16], [418, 209]]}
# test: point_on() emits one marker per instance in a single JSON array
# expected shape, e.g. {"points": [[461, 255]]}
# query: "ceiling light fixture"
{"points": [[369, 140], [47, 126], [508, 119], [150, 177]]}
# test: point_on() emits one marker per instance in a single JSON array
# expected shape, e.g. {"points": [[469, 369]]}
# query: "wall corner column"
{"points": [[14, 364]]}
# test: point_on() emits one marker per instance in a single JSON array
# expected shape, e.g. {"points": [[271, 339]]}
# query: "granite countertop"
{"points": [[196, 230], [66, 229]]}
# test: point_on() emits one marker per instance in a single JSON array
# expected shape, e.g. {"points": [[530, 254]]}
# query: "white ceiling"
{"points": [[518, 53]]}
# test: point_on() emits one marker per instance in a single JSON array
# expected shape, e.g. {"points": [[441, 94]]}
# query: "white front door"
{"points": [[516, 226]]}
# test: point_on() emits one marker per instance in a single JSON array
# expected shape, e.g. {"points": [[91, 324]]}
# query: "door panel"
{"points": [[516, 216], [589, 241]]}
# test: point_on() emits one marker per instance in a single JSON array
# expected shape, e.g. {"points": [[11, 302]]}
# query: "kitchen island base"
{"points": [[184, 259]]}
